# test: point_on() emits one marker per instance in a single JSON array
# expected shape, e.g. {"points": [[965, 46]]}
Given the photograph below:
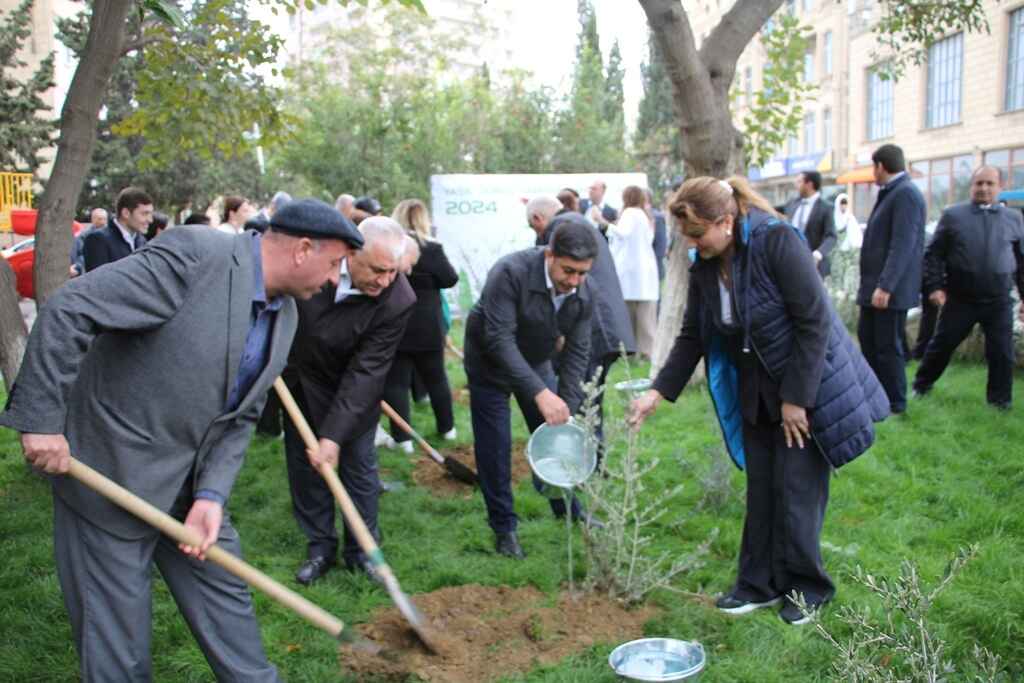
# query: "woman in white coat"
{"points": [[631, 241]]}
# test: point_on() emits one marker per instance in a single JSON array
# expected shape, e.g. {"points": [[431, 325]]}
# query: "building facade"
{"points": [[964, 106]]}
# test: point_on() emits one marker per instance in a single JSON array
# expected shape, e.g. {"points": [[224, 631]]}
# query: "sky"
{"points": [[556, 36]]}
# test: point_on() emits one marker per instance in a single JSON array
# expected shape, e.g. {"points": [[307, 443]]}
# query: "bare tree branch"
{"points": [[734, 32]]}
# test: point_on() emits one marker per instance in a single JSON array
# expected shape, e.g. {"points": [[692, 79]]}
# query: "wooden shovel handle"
{"points": [[407, 428], [179, 532], [348, 508]]}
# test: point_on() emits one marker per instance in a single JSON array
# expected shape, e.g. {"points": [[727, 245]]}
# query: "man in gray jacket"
{"points": [[153, 371]]}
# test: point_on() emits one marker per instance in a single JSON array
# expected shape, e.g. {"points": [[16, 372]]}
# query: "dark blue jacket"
{"points": [[795, 336], [892, 255]]}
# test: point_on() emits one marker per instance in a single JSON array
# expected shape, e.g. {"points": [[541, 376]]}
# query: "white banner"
{"points": [[480, 218]]}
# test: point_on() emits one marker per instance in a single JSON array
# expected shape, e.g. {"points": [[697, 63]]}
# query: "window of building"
{"points": [[748, 85], [826, 127], [943, 182], [809, 74], [792, 145], [1015, 63], [1011, 163], [808, 5], [880, 105], [826, 53], [945, 64], [810, 141]]}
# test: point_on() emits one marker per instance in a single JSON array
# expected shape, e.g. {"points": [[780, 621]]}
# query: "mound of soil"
{"points": [[484, 632], [430, 475]]}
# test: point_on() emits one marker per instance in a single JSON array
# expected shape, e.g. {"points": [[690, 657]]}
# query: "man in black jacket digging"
{"points": [[534, 306], [970, 266]]}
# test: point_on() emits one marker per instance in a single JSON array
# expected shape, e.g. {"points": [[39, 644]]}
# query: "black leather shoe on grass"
{"points": [[792, 615], [508, 545], [730, 604], [313, 568]]}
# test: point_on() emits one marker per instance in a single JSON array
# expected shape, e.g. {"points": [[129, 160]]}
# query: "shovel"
{"points": [[454, 467], [356, 523], [240, 568]]}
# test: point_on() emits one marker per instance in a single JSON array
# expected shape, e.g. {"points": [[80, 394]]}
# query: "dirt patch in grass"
{"points": [[430, 475], [486, 632]]}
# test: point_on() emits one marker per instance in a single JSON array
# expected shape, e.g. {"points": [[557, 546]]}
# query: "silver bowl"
{"points": [[658, 659], [562, 456], [635, 387]]}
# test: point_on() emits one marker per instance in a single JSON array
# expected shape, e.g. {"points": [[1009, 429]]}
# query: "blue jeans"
{"points": [[492, 435]]}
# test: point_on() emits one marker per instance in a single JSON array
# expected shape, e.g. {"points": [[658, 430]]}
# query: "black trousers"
{"points": [[312, 502], [492, 447], [881, 335], [787, 493], [926, 327], [430, 366], [956, 322], [270, 419]]}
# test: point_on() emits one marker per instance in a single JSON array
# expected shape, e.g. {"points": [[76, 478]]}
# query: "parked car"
{"points": [[21, 257]]}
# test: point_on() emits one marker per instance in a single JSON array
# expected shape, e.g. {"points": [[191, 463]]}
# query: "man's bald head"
{"points": [[986, 182]]}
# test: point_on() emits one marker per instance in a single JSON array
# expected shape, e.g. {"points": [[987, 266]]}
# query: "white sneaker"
{"points": [[382, 438], [406, 446], [450, 435]]}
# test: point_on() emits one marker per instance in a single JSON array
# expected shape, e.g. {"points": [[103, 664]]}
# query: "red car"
{"points": [[21, 258]]}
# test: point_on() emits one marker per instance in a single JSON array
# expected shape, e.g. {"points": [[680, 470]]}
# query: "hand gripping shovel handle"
{"points": [[454, 467], [355, 521], [179, 532], [348, 508]]}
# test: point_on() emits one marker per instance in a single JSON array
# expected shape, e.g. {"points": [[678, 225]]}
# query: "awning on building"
{"points": [[865, 174]]}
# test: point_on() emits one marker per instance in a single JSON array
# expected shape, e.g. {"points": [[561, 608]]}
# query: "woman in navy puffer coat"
{"points": [[793, 395]]}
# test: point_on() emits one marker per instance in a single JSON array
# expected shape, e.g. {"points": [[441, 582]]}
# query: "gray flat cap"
{"points": [[315, 219]]}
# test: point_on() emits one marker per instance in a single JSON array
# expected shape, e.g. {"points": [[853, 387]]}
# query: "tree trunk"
{"points": [[75, 145], [13, 334], [710, 142]]}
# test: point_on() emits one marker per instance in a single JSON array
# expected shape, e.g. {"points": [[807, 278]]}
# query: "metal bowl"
{"points": [[658, 659], [634, 386], [562, 456]]}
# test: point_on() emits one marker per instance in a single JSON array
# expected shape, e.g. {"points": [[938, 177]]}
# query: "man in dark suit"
{"points": [[153, 370], [890, 272], [969, 268], [611, 330], [347, 339], [813, 217], [534, 306], [595, 209], [123, 234]]}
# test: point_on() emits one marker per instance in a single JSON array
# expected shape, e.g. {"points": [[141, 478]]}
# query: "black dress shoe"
{"points": [[508, 545], [313, 568]]}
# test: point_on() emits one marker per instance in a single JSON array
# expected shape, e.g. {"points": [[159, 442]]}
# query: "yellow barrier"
{"points": [[15, 193]]}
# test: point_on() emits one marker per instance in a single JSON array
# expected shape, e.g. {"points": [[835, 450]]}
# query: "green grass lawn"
{"points": [[947, 475]]}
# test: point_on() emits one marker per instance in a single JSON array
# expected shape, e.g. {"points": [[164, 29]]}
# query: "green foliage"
{"points": [[778, 109], [908, 28], [656, 143], [591, 129], [401, 118], [198, 90], [185, 177], [23, 132]]}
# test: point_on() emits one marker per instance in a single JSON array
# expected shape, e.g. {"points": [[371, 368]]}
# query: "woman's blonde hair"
{"points": [[412, 214], [705, 200]]}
